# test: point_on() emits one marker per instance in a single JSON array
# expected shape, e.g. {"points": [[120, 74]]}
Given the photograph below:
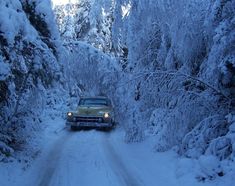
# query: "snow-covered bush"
{"points": [[203, 136], [210, 168]]}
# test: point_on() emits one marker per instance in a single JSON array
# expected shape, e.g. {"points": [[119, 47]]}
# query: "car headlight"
{"points": [[106, 115], [69, 114]]}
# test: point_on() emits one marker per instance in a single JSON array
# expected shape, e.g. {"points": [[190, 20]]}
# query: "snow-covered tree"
{"points": [[180, 59], [86, 20], [30, 52]]}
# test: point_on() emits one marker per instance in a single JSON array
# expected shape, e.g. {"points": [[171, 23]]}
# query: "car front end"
{"points": [[89, 121], [91, 116]]}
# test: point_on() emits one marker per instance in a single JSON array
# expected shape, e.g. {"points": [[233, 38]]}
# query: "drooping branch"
{"points": [[172, 73]]}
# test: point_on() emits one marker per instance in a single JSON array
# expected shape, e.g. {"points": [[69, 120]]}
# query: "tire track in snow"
{"points": [[118, 165], [50, 164]]}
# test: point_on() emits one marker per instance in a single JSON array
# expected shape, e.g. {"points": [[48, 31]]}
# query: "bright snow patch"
{"points": [[63, 2]]}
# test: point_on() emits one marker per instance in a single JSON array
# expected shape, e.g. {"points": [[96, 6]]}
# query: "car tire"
{"points": [[73, 128], [107, 129]]}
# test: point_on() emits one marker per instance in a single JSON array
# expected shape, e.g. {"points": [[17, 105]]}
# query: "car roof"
{"points": [[94, 97]]}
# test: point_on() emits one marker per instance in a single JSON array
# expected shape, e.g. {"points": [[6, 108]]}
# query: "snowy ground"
{"points": [[91, 158]]}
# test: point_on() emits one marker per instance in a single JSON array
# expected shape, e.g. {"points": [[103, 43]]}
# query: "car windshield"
{"points": [[93, 101]]}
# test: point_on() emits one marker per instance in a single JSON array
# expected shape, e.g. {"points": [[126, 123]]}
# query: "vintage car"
{"points": [[92, 112]]}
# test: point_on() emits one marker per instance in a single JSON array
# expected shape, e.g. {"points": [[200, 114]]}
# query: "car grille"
{"points": [[89, 119]]}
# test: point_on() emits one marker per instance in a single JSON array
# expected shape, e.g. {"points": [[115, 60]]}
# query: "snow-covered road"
{"points": [[98, 158], [91, 158], [84, 158]]}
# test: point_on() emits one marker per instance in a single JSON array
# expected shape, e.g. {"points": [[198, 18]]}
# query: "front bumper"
{"points": [[89, 124]]}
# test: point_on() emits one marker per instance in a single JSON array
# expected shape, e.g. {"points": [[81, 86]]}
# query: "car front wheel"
{"points": [[73, 128]]}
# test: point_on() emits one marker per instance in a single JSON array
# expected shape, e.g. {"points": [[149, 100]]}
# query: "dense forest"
{"points": [[168, 66]]}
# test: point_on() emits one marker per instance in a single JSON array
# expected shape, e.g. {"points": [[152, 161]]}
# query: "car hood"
{"points": [[93, 110]]}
